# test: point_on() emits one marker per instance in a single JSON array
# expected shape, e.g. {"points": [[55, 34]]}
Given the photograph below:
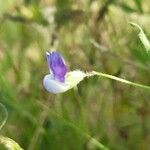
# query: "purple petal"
{"points": [[57, 65]]}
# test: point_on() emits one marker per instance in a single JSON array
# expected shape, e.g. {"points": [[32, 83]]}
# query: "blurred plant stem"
{"points": [[11, 96], [41, 121], [72, 125], [5, 115], [102, 49], [103, 10], [17, 18]]}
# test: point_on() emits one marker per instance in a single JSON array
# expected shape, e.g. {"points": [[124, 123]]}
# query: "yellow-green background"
{"points": [[91, 35]]}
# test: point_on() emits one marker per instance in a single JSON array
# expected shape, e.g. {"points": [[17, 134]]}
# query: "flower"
{"points": [[59, 80], [57, 65]]}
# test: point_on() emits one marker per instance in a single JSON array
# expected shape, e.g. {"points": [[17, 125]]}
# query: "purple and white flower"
{"points": [[59, 80]]}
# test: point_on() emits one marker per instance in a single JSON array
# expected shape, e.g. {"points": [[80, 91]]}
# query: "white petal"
{"points": [[54, 86], [71, 80], [74, 77]]}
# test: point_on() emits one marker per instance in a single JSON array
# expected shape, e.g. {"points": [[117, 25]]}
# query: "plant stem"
{"points": [[5, 115], [118, 79], [72, 125], [37, 134]]}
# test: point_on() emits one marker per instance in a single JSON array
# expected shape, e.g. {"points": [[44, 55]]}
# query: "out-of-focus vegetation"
{"points": [[91, 35]]}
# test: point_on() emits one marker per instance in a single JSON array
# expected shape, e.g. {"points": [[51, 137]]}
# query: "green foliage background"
{"points": [[91, 35]]}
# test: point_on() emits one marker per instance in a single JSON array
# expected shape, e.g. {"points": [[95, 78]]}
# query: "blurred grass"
{"points": [[91, 35]]}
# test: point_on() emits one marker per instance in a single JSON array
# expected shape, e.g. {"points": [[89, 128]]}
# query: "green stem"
{"points": [[94, 141], [118, 79], [72, 125], [5, 115]]}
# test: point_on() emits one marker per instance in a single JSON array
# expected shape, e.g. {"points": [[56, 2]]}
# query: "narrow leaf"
{"points": [[142, 37], [9, 143]]}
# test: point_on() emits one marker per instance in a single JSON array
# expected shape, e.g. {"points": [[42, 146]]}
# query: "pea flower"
{"points": [[59, 80]]}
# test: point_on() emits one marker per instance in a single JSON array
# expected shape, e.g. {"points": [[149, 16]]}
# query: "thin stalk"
{"points": [[94, 141], [72, 125], [117, 79], [5, 114], [37, 134]]}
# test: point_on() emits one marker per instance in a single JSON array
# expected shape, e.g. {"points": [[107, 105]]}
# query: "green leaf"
{"points": [[142, 37], [9, 144]]}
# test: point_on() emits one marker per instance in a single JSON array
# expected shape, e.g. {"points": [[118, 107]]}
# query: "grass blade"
{"points": [[142, 37]]}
